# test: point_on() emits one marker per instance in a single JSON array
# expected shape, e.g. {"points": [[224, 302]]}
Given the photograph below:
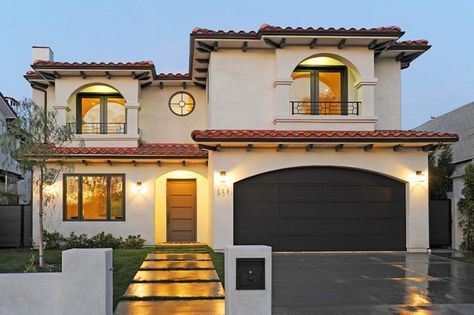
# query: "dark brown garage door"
{"points": [[320, 208]]}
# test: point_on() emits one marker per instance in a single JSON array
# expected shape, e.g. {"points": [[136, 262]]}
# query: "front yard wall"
{"points": [[240, 164], [145, 211]]}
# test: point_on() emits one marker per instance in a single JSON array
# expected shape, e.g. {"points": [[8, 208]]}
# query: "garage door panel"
{"points": [[300, 243], [342, 226], [258, 209], [300, 209], [342, 242], [300, 227], [257, 192], [300, 192], [383, 193], [383, 227], [320, 208], [383, 210], [341, 193], [257, 227], [341, 210]]}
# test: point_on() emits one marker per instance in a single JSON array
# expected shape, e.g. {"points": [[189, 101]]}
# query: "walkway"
{"points": [[174, 281]]}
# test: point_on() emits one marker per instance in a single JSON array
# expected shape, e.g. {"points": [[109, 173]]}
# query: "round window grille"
{"points": [[182, 103]]}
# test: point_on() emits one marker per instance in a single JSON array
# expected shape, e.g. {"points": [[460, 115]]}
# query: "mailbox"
{"points": [[250, 274]]}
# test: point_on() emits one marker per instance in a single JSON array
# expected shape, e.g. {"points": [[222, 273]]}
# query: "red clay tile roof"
{"points": [[32, 74], [418, 42], [147, 150], [173, 76], [59, 64], [216, 135], [265, 28]]}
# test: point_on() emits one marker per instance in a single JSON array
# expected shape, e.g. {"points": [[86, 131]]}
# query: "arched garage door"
{"points": [[320, 208]]}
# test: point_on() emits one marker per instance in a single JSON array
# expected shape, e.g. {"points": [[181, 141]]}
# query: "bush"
{"points": [[133, 241], [53, 240], [56, 240]]}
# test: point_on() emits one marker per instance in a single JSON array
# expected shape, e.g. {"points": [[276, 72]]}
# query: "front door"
{"points": [[181, 210]]}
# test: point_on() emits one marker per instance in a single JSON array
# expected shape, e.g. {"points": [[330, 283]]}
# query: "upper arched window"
{"points": [[100, 109], [320, 87]]}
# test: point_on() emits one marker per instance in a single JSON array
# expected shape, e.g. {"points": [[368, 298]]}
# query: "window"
{"points": [[94, 197], [320, 90], [8, 189], [100, 114], [182, 103]]}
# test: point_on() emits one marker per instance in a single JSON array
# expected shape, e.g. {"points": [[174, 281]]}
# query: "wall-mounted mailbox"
{"points": [[250, 274]]}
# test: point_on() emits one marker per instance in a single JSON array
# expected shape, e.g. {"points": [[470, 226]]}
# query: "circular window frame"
{"points": [[184, 92]]}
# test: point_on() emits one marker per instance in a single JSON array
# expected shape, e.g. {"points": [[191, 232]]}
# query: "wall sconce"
{"points": [[138, 187], [223, 177], [420, 177]]}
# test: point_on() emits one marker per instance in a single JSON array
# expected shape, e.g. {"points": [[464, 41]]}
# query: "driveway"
{"points": [[371, 283]]}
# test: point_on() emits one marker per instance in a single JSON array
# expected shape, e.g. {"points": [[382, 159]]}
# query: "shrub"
{"points": [[103, 240], [133, 241], [76, 241], [54, 240]]}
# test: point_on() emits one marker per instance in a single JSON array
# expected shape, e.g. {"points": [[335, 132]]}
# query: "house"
{"points": [[459, 121], [15, 185], [288, 137]]}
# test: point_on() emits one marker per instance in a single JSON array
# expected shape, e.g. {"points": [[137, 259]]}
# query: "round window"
{"points": [[182, 103]]}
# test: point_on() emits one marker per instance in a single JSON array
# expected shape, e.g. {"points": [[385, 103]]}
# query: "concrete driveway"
{"points": [[371, 283]]}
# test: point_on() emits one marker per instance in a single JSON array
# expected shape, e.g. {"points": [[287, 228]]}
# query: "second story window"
{"points": [[100, 114], [319, 89]]}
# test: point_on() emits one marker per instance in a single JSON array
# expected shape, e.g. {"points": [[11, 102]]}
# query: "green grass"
{"points": [[126, 264]]}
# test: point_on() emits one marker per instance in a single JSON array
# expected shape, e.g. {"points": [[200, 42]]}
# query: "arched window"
{"points": [[320, 87], [100, 109]]}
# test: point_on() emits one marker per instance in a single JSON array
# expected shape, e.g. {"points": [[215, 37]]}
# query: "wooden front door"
{"points": [[181, 210]]}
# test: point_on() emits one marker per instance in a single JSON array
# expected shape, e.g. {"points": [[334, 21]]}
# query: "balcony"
{"points": [[99, 128], [325, 108]]}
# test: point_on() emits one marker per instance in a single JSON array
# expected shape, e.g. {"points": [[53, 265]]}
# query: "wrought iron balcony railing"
{"points": [[99, 128], [325, 108]]}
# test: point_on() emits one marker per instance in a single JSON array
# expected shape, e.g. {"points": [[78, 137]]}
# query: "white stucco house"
{"points": [[288, 137], [461, 122]]}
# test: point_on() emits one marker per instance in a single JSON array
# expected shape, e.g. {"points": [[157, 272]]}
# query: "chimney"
{"points": [[42, 53]]}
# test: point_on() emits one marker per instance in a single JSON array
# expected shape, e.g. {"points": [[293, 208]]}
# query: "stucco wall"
{"points": [[159, 124], [388, 93], [240, 164], [140, 208]]}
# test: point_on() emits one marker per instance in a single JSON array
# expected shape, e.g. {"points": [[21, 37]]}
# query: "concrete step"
{"points": [[175, 290], [191, 307], [163, 256], [176, 265], [175, 275]]}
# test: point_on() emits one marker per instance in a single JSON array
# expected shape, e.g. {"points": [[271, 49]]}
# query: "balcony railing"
{"points": [[325, 108], [99, 128]]}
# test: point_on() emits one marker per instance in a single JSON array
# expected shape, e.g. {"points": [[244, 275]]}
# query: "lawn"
{"points": [[126, 262]]}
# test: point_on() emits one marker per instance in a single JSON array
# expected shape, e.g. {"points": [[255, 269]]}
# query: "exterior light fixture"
{"points": [[223, 176], [420, 176], [138, 187], [222, 187]]}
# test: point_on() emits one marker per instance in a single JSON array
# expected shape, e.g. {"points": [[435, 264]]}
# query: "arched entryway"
{"points": [[320, 208]]}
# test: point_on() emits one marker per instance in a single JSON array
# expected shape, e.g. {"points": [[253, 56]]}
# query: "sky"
{"points": [[115, 30]]}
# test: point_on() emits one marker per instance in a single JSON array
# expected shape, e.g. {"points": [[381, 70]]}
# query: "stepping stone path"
{"points": [[174, 280]]}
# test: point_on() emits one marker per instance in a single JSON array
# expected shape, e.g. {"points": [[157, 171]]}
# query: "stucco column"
{"points": [[132, 118], [282, 96], [417, 216], [366, 91], [61, 112]]}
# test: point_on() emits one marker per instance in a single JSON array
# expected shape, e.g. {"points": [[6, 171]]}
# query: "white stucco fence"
{"points": [[83, 287]]}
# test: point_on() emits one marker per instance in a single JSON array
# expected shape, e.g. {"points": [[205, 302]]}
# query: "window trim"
{"points": [[184, 92], [79, 201], [103, 108], [314, 88]]}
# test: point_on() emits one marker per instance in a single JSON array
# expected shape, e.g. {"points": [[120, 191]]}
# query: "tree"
{"points": [[440, 171], [31, 140], [466, 209]]}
